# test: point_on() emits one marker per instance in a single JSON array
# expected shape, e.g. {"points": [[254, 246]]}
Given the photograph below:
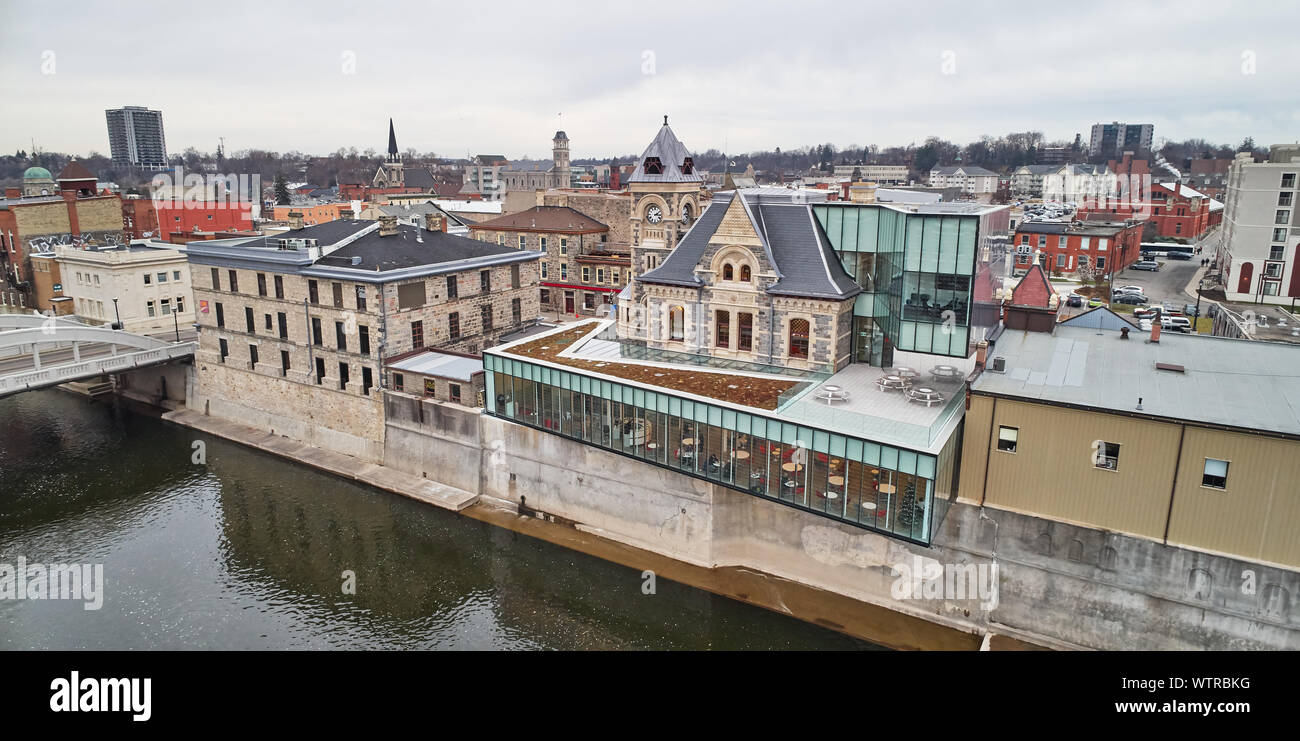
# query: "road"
{"points": [[63, 355]]}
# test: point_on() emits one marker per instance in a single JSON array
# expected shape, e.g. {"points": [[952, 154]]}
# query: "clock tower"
{"points": [[665, 190]]}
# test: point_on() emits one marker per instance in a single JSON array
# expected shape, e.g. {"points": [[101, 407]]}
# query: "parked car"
{"points": [[1178, 323], [1129, 298], [1094, 302], [1132, 289], [1176, 255], [1169, 309], [1190, 310], [1145, 265], [1074, 299], [1146, 313]]}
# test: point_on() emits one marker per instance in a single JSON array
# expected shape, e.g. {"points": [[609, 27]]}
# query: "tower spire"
{"points": [[392, 142]]}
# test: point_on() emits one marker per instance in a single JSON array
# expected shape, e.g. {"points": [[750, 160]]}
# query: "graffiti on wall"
{"points": [[47, 242]]}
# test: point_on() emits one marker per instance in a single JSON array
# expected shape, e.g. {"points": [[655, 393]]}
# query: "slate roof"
{"points": [[410, 247], [75, 171], [672, 153], [544, 219], [792, 239], [417, 177]]}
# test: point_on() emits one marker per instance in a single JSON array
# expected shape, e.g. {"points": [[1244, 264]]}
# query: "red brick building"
{"points": [[143, 217], [1065, 247], [1175, 209]]}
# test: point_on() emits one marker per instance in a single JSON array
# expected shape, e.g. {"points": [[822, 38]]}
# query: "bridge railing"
{"points": [[56, 374]]}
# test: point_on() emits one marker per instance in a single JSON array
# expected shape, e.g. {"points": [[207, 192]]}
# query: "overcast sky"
{"points": [[502, 76]]}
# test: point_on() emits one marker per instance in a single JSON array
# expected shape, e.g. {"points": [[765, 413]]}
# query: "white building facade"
{"points": [[149, 280], [1260, 250]]}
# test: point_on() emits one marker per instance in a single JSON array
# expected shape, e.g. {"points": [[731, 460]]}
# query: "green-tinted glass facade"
{"points": [[920, 273], [893, 490]]}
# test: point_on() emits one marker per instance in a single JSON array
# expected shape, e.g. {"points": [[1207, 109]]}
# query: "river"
{"points": [[249, 551]]}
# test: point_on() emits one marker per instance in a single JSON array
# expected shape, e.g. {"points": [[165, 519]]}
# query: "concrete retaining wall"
{"points": [[1062, 584]]}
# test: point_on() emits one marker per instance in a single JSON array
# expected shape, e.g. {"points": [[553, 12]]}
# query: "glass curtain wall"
{"points": [[870, 485]]}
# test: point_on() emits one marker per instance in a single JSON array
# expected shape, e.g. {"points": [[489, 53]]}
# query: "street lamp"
{"points": [[1196, 319], [177, 323], [116, 313]]}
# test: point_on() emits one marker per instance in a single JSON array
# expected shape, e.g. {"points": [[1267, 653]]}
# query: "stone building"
{"points": [[559, 175], [666, 195], [296, 329], [580, 272], [755, 280]]}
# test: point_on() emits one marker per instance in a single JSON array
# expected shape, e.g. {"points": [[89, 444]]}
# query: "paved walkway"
{"points": [[345, 466]]}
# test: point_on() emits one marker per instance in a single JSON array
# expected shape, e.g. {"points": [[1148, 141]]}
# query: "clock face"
{"points": [[654, 215]]}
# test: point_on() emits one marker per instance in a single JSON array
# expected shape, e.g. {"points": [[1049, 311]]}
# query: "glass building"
{"points": [[929, 275]]}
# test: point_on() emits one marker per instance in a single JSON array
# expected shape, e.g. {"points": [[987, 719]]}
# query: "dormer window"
{"points": [[653, 166], [687, 166]]}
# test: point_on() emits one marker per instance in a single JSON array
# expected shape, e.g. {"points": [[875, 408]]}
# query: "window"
{"points": [[564, 271], [453, 392], [522, 242], [221, 313], [564, 245], [363, 337], [166, 306], [485, 316], [430, 388], [1106, 455], [1178, 228], [501, 239], [148, 305], [279, 287], [588, 301], [320, 370], [676, 323], [367, 380], [338, 295], [234, 280], [340, 337], [1101, 243], [252, 356], [727, 272], [1282, 217], [315, 332], [1042, 241], [261, 284], [417, 334], [343, 376], [1288, 180], [284, 362], [1276, 252], [148, 279], [600, 275], [410, 295], [216, 279], [1272, 270], [798, 338], [1007, 438], [313, 294], [722, 319], [453, 325], [1101, 263], [516, 310], [248, 320], [96, 278], [586, 274], [485, 281], [180, 304], [514, 276], [616, 277], [746, 339], [543, 271], [1084, 242], [399, 382], [744, 273], [1284, 199], [543, 242], [1060, 260], [284, 325], [546, 296], [1215, 474], [225, 349]]}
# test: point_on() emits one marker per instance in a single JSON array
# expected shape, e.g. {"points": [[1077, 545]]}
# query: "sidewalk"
{"points": [[343, 466]]}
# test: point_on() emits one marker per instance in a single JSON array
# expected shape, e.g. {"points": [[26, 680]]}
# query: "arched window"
{"points": [[798, 338], [744, 273], [727, 272], [723, 321], [676, 323]]}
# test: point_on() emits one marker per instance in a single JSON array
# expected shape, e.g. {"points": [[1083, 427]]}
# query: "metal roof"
{"points": [[442, 365], [1250, 385]]}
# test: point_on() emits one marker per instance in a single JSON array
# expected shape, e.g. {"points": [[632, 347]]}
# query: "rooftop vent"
{"points": [[1171, 367], [999, 365]]}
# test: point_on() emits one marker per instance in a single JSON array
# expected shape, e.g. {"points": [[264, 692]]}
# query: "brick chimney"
{"points": [[981, 353], [387, 226], [862, 192], [1155, 330], [434, 222], [295, 220]]}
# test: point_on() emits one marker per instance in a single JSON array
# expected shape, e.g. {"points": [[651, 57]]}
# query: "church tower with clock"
{"points": [[665, 192]]}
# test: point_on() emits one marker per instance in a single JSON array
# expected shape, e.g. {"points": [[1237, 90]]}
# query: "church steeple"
{"points": [[392, 143]]}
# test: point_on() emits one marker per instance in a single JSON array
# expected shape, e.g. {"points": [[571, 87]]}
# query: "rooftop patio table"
{"points": [[904, 371], [892, 382], [945, 372]]}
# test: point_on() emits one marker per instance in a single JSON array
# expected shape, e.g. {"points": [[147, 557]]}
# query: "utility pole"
{"points": [[177, 323]]}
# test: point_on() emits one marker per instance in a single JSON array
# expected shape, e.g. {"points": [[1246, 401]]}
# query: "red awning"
{"points": [[580, 288]]}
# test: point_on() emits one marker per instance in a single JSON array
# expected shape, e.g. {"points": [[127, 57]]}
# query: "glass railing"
{"points": [[639, 350]]}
